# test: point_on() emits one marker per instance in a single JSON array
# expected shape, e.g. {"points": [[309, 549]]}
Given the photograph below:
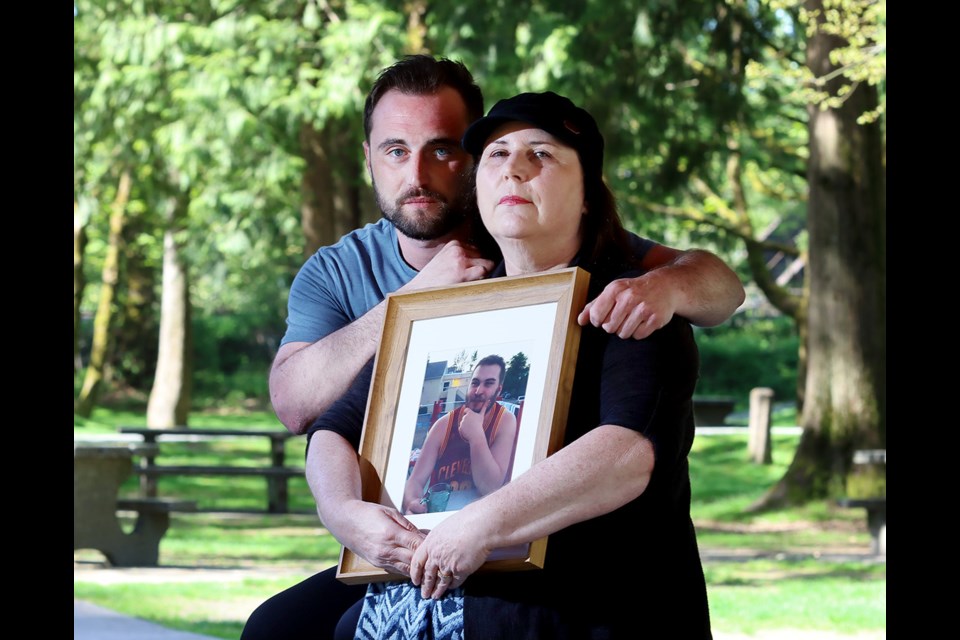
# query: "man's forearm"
{"points": [[333, 475], [305, 381], [708, 291]]}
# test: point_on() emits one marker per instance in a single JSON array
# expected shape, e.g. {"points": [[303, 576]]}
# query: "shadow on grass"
{"points": [[759, 573]]}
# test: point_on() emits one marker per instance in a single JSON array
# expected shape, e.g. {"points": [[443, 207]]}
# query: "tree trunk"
{"points": [[845, 393], [79, 246], [169, 402], [104, 318], [334, 195], [134, 353]]}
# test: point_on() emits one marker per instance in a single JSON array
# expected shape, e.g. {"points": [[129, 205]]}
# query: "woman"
{"points": [[622, 558]]}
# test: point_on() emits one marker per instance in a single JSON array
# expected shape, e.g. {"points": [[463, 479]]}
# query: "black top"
{"points": [[634, 572]]}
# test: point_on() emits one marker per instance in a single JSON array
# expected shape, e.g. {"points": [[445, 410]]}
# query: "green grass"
{"points": [[104, 420], [751, 596], [808, 594], [196, 607]]}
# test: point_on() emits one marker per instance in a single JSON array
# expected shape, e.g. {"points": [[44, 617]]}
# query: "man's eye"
{"points": [[442, 152], [396, 153]]}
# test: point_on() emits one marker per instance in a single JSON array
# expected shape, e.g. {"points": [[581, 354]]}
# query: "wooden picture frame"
{"points": [[533, 313]]}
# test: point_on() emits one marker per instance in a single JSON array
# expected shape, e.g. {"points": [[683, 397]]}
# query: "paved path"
{"points": [[91, 622]]}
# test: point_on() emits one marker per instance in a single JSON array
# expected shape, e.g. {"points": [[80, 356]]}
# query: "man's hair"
{"points": [[494, 359], [424, 75]]}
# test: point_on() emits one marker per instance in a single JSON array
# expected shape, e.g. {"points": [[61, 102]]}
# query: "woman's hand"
{"points": [[452, 551]]}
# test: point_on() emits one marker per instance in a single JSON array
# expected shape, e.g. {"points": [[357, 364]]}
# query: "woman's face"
{"points": [[529, 185]]}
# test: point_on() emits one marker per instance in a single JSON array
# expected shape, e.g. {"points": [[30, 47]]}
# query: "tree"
{"points": [[516, 375], [845, 399], [79, 281], [104, 319], [169, 402]]}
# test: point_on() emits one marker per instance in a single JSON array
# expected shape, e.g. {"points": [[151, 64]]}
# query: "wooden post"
{"points": [[277, 493], [148, 484], [758, 441]]}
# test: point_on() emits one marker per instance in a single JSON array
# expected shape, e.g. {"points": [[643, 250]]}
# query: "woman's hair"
{"points": [[605, 242]]}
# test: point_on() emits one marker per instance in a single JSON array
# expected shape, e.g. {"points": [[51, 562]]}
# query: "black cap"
{"points": [[554, 114]]}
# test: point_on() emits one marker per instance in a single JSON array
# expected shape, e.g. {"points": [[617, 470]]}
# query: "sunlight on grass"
{"points": [[746, 596], [838, 597]]}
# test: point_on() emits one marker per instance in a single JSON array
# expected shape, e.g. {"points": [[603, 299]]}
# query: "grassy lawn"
{"points": [[780, 586]]}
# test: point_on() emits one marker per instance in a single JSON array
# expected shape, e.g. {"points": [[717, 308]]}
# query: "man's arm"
{"points": [[596, 474], [488, 464], [423, 468], [377, 533], [694, 284], [306, 378]]}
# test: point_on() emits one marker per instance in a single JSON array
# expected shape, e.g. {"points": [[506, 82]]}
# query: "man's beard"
{"points": [[484, 408], [422, 226]]}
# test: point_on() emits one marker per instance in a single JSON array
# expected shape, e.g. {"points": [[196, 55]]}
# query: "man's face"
{"points": [[421, 176], [484, 388]]}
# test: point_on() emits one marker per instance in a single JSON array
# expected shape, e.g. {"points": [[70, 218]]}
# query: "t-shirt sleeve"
{"points": [[647, 385], [640, 246], [314, 311], [345, 416]]}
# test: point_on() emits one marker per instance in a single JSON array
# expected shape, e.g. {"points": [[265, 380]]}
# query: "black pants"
{"points": [[318, 608]]}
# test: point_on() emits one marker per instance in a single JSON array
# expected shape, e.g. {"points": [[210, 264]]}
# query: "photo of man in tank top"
{"points": [[467, 451]]}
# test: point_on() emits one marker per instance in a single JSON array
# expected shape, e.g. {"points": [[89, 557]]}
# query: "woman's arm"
{"points": [[599, 472]]}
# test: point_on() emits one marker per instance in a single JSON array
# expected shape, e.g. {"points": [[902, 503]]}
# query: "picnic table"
{"points": [[277, 472], [875, 505], [98, 473]]}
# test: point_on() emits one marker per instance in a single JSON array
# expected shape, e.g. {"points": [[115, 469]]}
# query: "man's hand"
{"points": [[632, 307], [455, 263], [382, 536], [415, 505], [471, 426]]}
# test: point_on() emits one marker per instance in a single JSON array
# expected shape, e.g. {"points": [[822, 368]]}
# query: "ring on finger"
{"points": [[444, 576]]}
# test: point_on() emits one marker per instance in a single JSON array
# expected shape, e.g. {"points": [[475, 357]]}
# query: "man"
{"points": [[470, 447], [414, 119]]}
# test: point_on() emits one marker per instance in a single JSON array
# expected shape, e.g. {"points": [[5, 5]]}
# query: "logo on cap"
{"points": [[571, 127]]}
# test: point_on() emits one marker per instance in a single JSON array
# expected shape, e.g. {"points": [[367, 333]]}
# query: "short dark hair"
{"points": [[494, 359], [424, 75]]}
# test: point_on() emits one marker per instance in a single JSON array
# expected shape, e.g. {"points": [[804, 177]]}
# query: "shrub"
{"points": [[757, 353]]}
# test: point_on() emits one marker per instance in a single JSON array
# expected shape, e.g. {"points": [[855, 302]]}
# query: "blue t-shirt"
{"points": [[341, 282]]}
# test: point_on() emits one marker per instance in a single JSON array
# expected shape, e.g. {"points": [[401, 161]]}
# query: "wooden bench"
{"points": [[277, 473], [709, 411], [876, 507], [98, 472]]}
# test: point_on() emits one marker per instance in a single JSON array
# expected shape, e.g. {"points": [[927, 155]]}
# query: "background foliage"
{"points": [[207, 102]]}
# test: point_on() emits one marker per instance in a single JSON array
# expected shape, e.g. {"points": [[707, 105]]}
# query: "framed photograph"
{"points": [[496, 356]]}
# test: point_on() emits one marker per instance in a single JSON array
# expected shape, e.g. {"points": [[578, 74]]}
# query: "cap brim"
{"points": [[477, 133]]}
